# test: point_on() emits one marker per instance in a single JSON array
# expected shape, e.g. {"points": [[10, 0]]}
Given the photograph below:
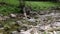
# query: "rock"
{"points": [[41, 28], [2, 18], [24, 18], [6, 17], [58, 32], [25, 32], [44, 27], [1, 32], [52, 14], [18, 22], [57, 24], [54, 32], [15, 32], [2, 28], [13, 15], [32, 20]]}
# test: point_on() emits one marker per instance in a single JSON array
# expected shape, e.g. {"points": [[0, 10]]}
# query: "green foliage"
{"points": [[41, 5], [11, 2], [8, 9]]}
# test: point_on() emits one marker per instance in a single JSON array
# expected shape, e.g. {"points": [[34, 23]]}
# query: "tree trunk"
{"points": [[22, 5]]}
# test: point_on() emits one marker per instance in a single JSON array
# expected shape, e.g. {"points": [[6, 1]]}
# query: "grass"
{"points": [[41, 5], [33, 4], [8, 9], [12, 2]]}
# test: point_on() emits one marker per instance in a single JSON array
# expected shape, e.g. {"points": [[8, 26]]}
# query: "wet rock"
{"points": [[13, 15]]}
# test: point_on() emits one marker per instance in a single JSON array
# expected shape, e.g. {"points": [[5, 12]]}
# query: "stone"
{"points": [[41, 28], [12, 15], [24, 18], [1, 33], [44, 27], [6, 17], [2, 28], [57, 24], [58, 32], [15, 32], [52, 14], [18, 22], [32, 20], [54, 32], [2, 18], [25, 32]]}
